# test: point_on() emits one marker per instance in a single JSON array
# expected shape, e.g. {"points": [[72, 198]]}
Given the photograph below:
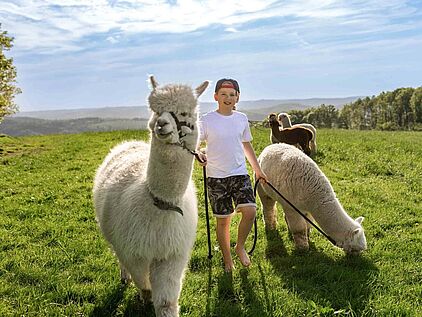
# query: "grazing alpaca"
{"points": [[300, 180], [285, 122], [296, 135], [145, 200]]}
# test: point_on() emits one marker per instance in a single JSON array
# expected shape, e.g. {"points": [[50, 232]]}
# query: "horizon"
{"points": [[200, 101], [95, 54]]}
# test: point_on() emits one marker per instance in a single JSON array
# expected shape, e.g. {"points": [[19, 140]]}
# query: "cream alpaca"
{"points": [[301, 181], [285, 122], [145, 199]]}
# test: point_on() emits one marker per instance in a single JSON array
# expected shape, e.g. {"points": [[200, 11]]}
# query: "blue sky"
{"points": [[96, 53]]}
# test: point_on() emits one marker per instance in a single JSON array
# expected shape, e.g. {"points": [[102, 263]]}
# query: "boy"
{"points": [[227, 135]]}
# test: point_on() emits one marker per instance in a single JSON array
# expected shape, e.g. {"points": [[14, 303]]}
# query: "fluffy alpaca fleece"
{"points": [[285, 122], [295, 135], [300, 180], [153, 244]]}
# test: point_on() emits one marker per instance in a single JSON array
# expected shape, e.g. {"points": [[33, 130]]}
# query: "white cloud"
{"points": [[52, 25], [232, 30], [113, 39]]}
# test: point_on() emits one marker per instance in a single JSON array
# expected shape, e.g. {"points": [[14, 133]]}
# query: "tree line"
{"points": [[400, 109], [8, 88]]}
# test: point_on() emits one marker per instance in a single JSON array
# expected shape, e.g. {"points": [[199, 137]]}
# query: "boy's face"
{"points": [[226, 98]]}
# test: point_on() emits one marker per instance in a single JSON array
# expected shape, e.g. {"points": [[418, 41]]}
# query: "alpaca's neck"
{"points": [[275, 129], [333, 220], [286, 122], [169, 170]]}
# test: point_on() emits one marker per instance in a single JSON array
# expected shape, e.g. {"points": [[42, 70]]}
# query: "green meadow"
{"points": [[54, 261]]}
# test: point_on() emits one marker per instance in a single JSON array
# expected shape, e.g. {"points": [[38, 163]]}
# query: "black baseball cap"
{"points": [[227, 83]]}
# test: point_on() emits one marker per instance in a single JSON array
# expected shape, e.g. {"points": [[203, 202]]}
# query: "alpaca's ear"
{"points": [[153, 82], [356, 231], [201, 88], [359, 220]]}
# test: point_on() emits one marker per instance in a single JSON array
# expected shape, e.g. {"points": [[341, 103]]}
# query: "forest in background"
{"points": [[400, 109]]}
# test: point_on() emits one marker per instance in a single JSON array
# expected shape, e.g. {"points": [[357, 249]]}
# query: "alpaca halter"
{"points": [[181, 124], [181, 143]]}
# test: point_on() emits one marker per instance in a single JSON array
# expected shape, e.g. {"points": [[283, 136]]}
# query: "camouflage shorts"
{"points": [[223, 192]]}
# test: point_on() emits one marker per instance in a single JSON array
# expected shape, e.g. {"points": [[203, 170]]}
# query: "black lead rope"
{"points": [[204, 172], [255, 233], [297, 210]]}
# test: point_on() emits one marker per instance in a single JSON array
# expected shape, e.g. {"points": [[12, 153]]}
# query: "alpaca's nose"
{"points": [[161, 122], [163, 127]]}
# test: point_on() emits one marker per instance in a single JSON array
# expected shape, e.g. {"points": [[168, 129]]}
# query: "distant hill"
{"points": [[259, 114], [122, 118], [103, 113], [18, 126], [252, 106]]}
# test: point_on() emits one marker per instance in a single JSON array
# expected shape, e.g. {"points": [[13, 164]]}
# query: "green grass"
{"points": [[54, 262]]}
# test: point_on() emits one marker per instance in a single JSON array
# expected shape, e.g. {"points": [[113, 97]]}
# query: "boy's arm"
{"points": [[250, 155]]}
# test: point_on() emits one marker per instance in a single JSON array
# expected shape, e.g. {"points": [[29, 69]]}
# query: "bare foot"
{"points": [[243, 256], [229, 267]]}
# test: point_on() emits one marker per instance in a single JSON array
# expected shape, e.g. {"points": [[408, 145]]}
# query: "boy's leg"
{"points": [[245, 226], [223, 238]]}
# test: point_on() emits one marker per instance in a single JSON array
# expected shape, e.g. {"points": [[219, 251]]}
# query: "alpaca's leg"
{"points": [[308, 225], [166, 282], [141, 277], [298, 227], [268, 209], [305, 146], [125, 277], [313, 147]]}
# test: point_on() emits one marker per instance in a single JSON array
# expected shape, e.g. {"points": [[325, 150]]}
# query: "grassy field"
{"points": [[54, 262]]}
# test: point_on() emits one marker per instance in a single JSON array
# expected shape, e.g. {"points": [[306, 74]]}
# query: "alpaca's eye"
{"points": [[184, 114]]}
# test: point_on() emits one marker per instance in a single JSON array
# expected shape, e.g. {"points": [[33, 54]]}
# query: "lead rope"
{"points": [[255, 235], [207, 217]]}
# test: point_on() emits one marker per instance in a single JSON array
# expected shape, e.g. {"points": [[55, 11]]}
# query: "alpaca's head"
{"points": [[175, 113], [281, 116], [284, 119], [355, 240], [272, 119]]}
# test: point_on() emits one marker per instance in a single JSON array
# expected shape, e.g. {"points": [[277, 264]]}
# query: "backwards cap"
{"points": [[227, 83]]}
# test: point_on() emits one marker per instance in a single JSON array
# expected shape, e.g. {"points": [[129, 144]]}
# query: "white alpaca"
{"points": [[285, 122], [145, 200], [300, 180]]}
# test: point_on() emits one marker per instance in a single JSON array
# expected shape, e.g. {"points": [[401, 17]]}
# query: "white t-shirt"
{"points": [[224, 136]]}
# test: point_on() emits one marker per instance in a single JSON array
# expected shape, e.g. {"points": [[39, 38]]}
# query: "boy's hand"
{"points": [[260, 175], [202, 158]]}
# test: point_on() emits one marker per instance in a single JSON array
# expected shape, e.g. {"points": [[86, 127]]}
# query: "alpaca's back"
{"points": [[297, 135], [295, 175]]}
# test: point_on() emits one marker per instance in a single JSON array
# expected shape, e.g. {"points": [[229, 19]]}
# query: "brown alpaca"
{"points": [[293, 135]]}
